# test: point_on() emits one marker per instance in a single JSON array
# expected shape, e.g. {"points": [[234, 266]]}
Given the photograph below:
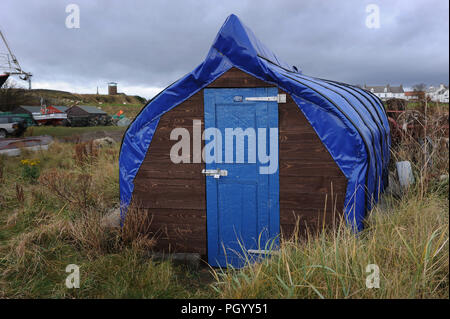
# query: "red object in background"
{"points": [[50, 115], [3, 78], [51, 110]]}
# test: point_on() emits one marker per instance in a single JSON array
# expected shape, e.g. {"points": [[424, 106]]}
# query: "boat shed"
{"points": [[332, 148]]}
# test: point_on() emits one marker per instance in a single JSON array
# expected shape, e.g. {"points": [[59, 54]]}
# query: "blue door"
{"points": [[243, 219]]}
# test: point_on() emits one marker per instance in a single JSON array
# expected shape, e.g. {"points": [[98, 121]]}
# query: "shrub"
{"points": [[30, 169], [72, 187]]}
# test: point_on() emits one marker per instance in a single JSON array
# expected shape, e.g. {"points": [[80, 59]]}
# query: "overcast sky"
{"points": [[146, 45]]}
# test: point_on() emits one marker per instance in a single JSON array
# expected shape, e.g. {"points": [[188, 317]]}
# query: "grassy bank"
{"points": [[129, 110], [54, 218]]}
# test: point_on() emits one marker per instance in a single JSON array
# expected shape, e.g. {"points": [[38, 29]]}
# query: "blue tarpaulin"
{"points": [[350, 121]]}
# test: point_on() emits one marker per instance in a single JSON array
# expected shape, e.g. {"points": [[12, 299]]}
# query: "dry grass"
{"points": [[1, 168], [20, 196], [408, 241], [85, 153], [73, 187], [136, 228], [46, 225]]}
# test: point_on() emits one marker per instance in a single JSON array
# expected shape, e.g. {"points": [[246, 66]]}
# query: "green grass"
{"points": [[61, 131], [414, 105]]}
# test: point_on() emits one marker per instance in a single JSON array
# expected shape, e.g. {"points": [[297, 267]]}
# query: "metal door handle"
{"points": [[215, 172]]}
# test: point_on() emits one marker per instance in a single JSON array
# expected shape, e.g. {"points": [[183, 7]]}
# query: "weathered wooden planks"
{"points": [[174, 193], [311, 183]]}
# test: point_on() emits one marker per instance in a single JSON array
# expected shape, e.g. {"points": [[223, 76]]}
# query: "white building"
{"points": [[439, 94], [387, 92]]}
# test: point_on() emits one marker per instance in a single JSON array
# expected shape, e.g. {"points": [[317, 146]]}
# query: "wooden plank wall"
{"points": [[235, 78], [175, 193], [312, 187]]}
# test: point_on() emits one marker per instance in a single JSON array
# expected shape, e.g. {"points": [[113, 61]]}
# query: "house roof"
{"points": [[91, 109], [375, 89], [438, 90], [442, 89], [396, 89], [385, 89], [61, 108], [31, 109]]}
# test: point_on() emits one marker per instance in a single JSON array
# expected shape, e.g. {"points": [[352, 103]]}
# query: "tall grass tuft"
{"points": [[85, 153], [136, 228]]}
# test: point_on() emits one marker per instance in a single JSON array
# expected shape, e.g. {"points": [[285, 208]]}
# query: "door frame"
{"points": [[273, 179]]}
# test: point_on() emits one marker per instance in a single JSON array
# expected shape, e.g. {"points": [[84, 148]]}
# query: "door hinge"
{"points": [[280, 98]]}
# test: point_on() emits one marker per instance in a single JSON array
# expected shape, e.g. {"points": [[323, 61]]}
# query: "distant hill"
{"points": [[56, 97], [10, 98]]}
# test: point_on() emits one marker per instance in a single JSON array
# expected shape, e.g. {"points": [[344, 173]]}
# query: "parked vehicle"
{"points": [[28, 119], [11, 125]]}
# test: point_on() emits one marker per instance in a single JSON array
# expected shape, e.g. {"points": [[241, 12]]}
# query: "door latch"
{"points": [[215, 172]]}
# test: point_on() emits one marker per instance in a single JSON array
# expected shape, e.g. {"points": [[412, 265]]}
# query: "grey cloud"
{"points": [[153, 43]]}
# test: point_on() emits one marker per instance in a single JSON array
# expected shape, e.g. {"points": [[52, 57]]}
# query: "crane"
{"points": [[10, 65]]}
